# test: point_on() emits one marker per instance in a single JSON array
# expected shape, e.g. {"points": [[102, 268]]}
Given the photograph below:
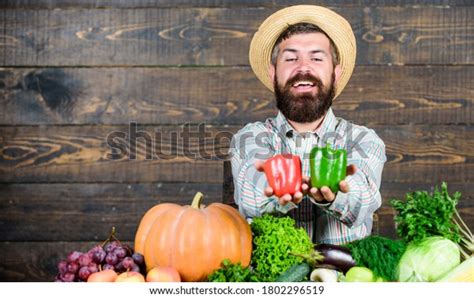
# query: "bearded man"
{"points": [[306, 54]]}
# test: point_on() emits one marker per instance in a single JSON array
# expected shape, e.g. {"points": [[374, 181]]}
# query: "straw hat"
{"points": [[335, 26]]}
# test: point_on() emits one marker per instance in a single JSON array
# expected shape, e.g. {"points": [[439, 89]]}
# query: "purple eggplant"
{"points": [[335, 256]]}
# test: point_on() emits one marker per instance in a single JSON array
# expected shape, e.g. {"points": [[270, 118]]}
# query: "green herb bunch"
{"points": [[422, 215], [232, 273], [274, 238], [380, 254]]}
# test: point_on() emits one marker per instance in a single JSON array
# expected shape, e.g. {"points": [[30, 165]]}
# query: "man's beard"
{"points": [[306, 107]]}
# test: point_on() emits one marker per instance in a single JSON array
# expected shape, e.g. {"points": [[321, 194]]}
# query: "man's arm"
{"points": [[251, 144], [360, 197]]}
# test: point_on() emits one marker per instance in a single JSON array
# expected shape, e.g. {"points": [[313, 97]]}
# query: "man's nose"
{"points": [[304, 66]]}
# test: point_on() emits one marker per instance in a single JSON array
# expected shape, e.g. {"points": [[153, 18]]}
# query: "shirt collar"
{"points": [[282, 125], [284, 128]]}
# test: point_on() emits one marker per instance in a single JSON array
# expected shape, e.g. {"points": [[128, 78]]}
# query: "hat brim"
{"points": [[334, 25]]}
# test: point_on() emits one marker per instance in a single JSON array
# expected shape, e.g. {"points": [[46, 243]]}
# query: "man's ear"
{"points": [[337, 73], [271, 72]]}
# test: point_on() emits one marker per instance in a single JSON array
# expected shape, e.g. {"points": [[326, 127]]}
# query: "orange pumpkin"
{"points": [[193, 239]]}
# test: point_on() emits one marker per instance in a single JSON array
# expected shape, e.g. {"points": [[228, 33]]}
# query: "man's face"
{"points": [[304, 77]]}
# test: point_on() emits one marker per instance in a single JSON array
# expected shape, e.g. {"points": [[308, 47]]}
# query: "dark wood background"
{"points": [[73, 72]]}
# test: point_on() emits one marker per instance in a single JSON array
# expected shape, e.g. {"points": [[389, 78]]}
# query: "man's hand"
{"points": [[285, 199], [325, 193]]}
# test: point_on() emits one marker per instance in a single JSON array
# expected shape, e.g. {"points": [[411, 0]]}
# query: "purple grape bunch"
{"points": [[112, 255]]}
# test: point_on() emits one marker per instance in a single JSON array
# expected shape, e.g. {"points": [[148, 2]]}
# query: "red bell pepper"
{"points": [[283, 172]]}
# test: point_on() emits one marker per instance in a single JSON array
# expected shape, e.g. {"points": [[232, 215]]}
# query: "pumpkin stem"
{"points": [[196, 204]]}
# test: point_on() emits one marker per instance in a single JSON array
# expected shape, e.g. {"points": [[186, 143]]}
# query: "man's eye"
{"points": [[317, 59], [290, 59]]}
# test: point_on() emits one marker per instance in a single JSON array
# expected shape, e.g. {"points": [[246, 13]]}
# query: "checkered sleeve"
{"points": [[252, 143], [363, 199]]}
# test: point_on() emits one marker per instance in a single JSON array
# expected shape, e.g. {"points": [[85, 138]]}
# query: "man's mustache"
{"points": [[304, 77]]}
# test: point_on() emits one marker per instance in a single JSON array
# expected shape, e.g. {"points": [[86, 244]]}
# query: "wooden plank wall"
{"points": [[74, 72]]}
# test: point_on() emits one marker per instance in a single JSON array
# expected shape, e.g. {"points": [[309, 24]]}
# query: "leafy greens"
{"points": [[423, 215], [274, 239], [379, 254]]}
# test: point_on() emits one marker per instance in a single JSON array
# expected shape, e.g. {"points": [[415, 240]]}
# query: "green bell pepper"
{"points": [[328, 167]]}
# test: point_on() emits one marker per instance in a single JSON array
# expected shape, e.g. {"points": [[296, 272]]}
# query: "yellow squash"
{"points": [[463, 272]]}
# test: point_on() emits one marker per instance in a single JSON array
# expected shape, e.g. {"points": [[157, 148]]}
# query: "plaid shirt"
{"points": [[349, 216]]}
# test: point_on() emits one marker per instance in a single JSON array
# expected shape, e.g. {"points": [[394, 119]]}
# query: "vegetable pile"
{"points": [[433, 236], [437, 237], [433, 241]]}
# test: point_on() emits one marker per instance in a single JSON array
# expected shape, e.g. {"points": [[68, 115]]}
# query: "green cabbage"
{"points": [[428, 259]]}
